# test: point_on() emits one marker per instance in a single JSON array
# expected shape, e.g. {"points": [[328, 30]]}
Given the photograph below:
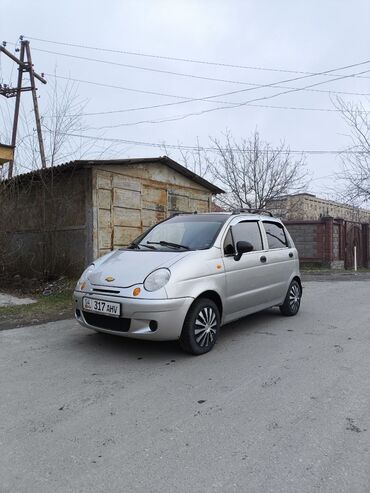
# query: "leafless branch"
{"points": [[253, 173], [355, 170]]}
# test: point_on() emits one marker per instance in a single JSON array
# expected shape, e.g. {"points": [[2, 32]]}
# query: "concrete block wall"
{"points": [[44, 224], [308, 239], [366, 244], [329, 242]]}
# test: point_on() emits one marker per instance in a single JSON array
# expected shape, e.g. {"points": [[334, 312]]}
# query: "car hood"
{"points": [[129, 267]]}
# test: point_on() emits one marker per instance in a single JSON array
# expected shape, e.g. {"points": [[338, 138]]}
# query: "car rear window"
{"points": [[276, 237]]}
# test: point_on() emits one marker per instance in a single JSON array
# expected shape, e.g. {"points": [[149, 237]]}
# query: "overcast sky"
{"points": [[312, 36]]}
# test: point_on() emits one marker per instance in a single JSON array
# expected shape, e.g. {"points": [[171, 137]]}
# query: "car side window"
{"points": [[243, 231], [276, 237], [229, 244]]}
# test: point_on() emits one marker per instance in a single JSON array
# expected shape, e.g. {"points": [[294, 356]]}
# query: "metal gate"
{"points": [[353, 239]]}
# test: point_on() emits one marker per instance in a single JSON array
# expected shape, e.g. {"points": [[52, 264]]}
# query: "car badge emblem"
{"points": [[109, 278]]}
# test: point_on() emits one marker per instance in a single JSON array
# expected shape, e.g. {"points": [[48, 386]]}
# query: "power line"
{"points": [[167, 72], [232, 92], [236, 105], [184, 100], [177, 59], [128, 110], [202, 148], [146, 69], [128, 124]]}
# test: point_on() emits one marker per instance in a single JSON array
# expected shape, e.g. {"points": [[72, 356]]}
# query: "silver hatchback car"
{"points": [[188, 275]]}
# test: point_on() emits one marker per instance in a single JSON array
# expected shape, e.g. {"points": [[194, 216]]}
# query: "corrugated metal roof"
{"points": [[101, 162]]}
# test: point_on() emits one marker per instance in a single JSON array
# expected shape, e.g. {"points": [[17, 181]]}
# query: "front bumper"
{"points": [[168, 315]]}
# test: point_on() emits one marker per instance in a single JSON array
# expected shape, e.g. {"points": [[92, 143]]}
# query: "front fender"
{"points": [[194, 287]]}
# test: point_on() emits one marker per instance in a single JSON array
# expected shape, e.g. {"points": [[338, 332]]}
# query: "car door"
{"points": [[280, 261], [245, 280]]}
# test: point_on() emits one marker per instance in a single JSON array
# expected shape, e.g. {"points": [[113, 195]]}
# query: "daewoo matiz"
{"points": [[190, 274]]}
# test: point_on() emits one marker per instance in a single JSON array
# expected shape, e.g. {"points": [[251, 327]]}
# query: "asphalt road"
{"points": [[279, 405]]}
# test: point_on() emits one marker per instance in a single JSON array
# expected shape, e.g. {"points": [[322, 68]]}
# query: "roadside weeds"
{"points": [[54, 306]]}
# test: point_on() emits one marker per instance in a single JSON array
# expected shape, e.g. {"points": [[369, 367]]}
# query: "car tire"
{"points": [[201, 327], [292, 301]]}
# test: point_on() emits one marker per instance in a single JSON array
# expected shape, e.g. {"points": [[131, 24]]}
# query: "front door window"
{"points": [[243, 231]]}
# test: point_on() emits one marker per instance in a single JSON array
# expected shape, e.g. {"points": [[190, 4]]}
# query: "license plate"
{"points": [[101, 306]]}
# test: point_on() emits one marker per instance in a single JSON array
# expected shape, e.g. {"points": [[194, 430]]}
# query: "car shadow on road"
{"points": [[113, 346], [250, 324], [138, 349]]}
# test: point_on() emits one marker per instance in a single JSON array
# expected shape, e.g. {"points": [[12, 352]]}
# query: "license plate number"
{"points": [[101, 306]]}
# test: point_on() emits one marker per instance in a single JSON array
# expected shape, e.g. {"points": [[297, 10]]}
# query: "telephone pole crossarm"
{"points": [[11, 92], [22, 64]]}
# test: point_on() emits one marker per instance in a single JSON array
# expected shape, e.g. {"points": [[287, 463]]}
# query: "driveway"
{"points": [[280, 405]]}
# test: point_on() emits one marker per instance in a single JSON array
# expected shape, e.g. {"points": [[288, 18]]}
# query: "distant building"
{"points": [[306, 206], [217, 208]]}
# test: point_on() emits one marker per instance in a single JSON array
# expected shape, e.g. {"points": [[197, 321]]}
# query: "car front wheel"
{"points": [[201, 327]]}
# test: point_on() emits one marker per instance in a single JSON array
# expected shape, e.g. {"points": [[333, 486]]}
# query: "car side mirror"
{"points": [[242, 247]]}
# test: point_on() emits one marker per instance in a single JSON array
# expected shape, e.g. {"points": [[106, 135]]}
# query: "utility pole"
{"points": [[10, 92], [35, 104]]}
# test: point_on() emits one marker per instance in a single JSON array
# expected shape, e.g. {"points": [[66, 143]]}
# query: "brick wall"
{"points": [[329, 242]]}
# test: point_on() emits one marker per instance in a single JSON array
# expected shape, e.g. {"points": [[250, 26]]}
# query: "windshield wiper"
{"points": [[138, 245], [169, 244]]}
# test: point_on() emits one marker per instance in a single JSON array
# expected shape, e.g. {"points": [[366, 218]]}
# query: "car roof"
{"points": [[247, 215]]}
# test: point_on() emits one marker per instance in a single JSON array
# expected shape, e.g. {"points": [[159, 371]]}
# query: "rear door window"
{"points": [[276, 237]]}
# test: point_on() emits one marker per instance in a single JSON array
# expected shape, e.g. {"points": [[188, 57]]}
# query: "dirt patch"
{"points": [[53, 301], [351, 426], [11, 300]]}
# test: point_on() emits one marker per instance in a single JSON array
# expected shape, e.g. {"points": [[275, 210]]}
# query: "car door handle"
{"points": [[291, 254], [263, 259]]}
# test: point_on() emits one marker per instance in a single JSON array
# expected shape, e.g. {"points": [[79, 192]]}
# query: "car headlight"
{"points": [[157, 279], [83, 279]]}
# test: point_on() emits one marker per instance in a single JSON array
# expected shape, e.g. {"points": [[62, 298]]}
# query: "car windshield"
{"points": [[181, 233]]}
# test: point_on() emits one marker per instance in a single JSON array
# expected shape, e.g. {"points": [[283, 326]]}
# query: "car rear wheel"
{"points": [[292, 300], [201, 327]]}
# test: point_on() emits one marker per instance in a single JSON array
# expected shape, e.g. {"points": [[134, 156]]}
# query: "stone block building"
{"points": [[308, 207], [57, 220]]}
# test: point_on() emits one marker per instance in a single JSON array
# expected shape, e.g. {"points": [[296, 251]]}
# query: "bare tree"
{"points": [[62, 123], [64, 116], [253, 173], [193, 159], [355, 172]]}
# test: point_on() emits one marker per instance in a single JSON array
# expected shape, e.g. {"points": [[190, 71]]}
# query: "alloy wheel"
{"points": [[205, 326], [294, 297]]}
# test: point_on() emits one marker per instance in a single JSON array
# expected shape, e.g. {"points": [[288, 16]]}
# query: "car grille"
{"points": [[106, 322], [109, 291]]}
